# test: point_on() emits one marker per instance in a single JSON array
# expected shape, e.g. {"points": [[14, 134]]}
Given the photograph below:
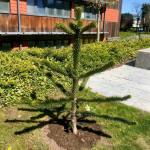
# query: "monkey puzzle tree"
{"points": [[78, 79], [76, 29]]}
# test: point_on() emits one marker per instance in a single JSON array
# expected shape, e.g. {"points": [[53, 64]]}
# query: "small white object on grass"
{"points": [[87, 107]]}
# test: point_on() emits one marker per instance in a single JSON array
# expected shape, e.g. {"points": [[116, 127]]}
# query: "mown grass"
{"points": [[29, 141], [125, 136], [23, 79], [129, 127], [124, 35], [132, 35]]}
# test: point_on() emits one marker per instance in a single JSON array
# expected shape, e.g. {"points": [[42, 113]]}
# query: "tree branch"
{"points": [[97, 70], [89, 27], [54, 68], [104, 100], [63, 28]]}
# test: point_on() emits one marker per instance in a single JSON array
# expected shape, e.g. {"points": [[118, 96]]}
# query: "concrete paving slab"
{"points": [[143, 57], [123, 81]]}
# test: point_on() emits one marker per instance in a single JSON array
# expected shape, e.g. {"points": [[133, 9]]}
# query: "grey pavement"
{"points": [[122, 81]]}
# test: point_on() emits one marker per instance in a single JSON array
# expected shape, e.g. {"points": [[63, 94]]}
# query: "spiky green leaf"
{"points": [[74, 27], [97, 70], [80, 23], [54, 68], [83, 84], [78, 13], [89, 27], [60, 86], [104, 99], [63, 28]]}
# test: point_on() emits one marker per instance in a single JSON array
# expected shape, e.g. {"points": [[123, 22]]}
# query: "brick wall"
{"points": [[72, 9], [23, 6], [112, 15]]}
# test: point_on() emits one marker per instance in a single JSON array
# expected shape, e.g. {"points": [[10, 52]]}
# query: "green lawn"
{"points": [[124, 35], [129, 127], [29, 141], [129, 34], [26, 81]]}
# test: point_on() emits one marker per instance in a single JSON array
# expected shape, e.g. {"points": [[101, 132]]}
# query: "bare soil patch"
{"points": [[87, 137]]}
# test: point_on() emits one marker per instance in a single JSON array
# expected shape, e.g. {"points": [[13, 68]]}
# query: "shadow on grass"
{"points": [[107, 117], [61, 116]]}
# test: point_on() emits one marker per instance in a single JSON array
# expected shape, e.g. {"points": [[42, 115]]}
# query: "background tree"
{"points": [[126, 21], [137, 12], [137, 9], [100, 8], [146, 17]]}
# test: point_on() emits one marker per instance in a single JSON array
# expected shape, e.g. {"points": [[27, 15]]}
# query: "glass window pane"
{"points": [[31, 6], [50, 2], [89, 13], [49, 10], [59, 4], [40, 7], [58, 8], [4, 6], [67, 9]]}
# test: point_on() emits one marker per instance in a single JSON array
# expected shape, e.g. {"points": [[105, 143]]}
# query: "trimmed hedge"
{"points": [[23, 76]]}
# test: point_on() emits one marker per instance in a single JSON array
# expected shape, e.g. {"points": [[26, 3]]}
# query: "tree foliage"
{"points": [[126, 21], [76, 28], [146, 16]]}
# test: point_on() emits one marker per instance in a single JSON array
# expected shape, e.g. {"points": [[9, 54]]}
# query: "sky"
{"points": [[128, 5]]}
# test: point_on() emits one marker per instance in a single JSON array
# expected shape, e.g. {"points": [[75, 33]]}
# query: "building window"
{"points": [[4, 6], [89, 13], [40, 7], [31, 7], [50, 7], [113, 5], [58, 8]]}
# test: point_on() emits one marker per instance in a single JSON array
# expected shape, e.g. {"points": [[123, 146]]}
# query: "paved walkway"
{"points": [[123, 81]]}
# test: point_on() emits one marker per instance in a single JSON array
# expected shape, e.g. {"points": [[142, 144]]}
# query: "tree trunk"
{"points": [[74, 106], [98, 26], [76, 50]]}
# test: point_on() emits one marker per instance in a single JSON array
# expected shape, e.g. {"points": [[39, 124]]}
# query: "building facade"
{"points": [[32, 22]]}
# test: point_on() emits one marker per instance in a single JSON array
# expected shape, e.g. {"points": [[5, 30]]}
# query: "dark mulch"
{"points": [[86, 138]]}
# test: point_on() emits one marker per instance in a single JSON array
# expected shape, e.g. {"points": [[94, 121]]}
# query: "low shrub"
{"points": [[21, 80], [24, 76]]}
